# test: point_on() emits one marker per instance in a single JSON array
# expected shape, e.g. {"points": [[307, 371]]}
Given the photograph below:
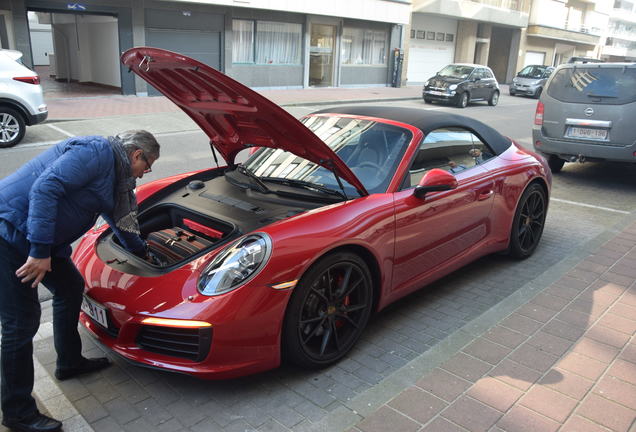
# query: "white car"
{"points": [[21, 100]]}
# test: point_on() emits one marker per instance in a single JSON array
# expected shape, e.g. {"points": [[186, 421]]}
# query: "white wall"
{"points": [[550, 13], [104, 44]]}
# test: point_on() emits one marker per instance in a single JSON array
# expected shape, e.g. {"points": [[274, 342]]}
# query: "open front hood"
{"points": [[232, 115]]}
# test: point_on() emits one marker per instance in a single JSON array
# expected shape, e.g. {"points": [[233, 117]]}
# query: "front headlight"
{"points": [[452, 87], [426, 84], [236, 264]]}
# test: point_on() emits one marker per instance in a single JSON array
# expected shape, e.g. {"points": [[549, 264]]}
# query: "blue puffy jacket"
{"points": [[52, 200]]}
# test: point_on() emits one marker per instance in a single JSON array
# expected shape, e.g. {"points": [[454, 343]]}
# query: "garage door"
{"points": [[534, 58], [425, 62], [202, 46]]}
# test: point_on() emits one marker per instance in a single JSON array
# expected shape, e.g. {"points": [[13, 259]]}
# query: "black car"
{"points": [[460, 84]]}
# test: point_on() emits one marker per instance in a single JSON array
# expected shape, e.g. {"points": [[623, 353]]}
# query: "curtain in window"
{"points": [[278, 43], [242, 41], [360, 47]]}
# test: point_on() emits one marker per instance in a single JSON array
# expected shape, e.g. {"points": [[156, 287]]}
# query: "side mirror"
{"points": [[433, 181]]}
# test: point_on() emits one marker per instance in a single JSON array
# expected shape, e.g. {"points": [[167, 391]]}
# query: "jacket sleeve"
{"points": [[130, 241], [75, 168]]}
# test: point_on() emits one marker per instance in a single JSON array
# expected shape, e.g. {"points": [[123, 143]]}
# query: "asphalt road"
{"points": [[587, 200]]}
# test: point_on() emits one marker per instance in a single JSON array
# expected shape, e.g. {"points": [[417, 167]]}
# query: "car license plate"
{"points": [[587, 133], [95, 311], [435, 92]]}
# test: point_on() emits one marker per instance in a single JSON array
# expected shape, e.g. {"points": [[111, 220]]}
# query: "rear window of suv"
{"points": [[597, 85]]}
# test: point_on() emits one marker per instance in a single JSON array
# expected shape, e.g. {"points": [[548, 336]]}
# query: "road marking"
{"points": [[589, 206], [62, 131]]}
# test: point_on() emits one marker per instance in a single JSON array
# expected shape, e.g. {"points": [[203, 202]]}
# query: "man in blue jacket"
{"points": [[45, 206]]}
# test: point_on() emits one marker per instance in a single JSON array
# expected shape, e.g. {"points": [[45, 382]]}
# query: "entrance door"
{"points": [[321, 51]]}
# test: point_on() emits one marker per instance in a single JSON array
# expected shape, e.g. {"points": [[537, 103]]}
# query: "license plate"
{"points": [[587, 133], [95, 311], [436, 93]]}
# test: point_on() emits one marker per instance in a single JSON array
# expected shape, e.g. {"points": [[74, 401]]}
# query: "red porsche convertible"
{"points": [[287, 255]]}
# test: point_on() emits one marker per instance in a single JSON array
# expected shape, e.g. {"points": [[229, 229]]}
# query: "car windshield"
{"points": [[372, 150], [532, 72], [594, 84], [456, 71]]}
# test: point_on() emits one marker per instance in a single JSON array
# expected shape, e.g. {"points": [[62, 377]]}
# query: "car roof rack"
{"points": [[576, 59]]}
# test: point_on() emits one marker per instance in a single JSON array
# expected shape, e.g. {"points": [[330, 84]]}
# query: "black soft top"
{"points": [[427, 121]]}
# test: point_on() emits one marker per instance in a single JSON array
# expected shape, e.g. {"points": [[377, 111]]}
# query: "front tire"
{"points": [[12, 127], [537, 94], [528, 222], [462, 101], [428, 101], [328, 311], [494, 98]]}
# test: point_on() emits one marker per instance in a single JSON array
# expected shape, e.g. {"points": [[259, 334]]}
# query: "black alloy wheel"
{"points": [[528, 222], [494, 98], [462, 101], [328, 311]]}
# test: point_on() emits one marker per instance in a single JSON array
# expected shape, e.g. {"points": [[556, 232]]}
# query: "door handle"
{"points": [[485, 195]]}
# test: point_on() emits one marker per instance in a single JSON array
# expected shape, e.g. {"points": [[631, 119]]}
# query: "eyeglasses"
{"points": [[149, 168]]}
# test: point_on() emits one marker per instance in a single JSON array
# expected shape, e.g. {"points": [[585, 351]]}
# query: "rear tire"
{"points": [[462, 101], [528, 222], [12, 127], [494, 98], [555, 163], [427, 100]]}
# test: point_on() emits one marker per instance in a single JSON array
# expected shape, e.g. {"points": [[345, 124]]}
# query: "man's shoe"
{"points": [[38, 423], [87, 366]]}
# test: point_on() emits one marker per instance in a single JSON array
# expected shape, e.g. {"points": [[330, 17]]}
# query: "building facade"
{"points": [[620, 39], [485, 32], [261, 43]]}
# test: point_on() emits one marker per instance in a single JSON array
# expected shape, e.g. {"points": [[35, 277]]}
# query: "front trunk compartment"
{"points": [[193, 217]]}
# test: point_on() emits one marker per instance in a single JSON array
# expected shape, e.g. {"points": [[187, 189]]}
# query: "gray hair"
{"points": [[133, 140]]}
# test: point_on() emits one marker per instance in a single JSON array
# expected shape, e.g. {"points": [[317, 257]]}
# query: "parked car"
{"points": [[587, 114], [21, 100], [333, 218], [530, 80], [460, 84]]}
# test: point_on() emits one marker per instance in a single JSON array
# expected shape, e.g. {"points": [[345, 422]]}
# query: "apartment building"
{"points": [[620, 40], [261, 43], [560, 29], [469, 31]]}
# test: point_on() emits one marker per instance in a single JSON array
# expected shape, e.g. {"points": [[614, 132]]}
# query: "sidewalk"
{"points": [[565, 360], [106, 106]]}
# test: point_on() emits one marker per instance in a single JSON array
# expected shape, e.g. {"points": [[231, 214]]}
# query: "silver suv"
{"points": [[587, 112], [21, 100]]}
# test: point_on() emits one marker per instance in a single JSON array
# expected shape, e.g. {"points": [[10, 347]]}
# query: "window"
{"points": [[440, 37], [452, 149], [597, 85], [486, 74], [266, 42], [449, 37], [364, 47]]}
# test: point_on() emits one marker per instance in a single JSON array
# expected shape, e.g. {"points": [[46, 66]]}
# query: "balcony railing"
{"points": [[515, 5], [578, 27]]}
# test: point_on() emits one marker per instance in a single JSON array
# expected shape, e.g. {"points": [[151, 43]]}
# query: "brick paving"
{"points": [[566, 360]]}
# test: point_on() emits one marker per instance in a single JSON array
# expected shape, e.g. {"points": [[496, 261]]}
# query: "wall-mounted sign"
{"points": [[75, 6]]}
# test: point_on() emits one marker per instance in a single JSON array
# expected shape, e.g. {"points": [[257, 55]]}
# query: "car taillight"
{"points": [[538, 115], [29, 79]]}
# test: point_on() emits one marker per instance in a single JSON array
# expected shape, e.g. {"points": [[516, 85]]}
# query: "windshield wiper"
{"points": [[257, 180], [592, 95], [305, 185]]}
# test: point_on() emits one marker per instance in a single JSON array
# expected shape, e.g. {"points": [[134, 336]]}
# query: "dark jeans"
{"points": [[20, 317]]}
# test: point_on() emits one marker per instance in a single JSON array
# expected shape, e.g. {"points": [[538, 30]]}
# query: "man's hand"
{"points": [[34, 268]]}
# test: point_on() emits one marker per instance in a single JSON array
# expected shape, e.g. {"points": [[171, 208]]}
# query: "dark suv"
{"points": [[460, 84]]}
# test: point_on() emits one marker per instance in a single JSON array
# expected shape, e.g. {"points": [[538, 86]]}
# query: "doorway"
{"points": [[321, 55]]}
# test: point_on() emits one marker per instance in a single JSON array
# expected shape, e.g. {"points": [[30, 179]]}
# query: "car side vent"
{"points": [[189, 343]]}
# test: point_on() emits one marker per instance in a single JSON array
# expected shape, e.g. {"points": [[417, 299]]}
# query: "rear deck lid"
{"points": [[232, 115]]}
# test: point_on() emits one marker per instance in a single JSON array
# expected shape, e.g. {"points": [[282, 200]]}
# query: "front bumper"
{"points": [[524, 90], [576, 150], [440, 95]]}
